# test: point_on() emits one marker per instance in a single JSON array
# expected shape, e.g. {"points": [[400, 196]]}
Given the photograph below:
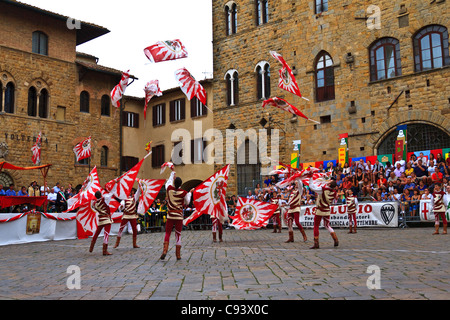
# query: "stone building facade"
{"points": [[365, 68], [47, 86], [171, 119]]}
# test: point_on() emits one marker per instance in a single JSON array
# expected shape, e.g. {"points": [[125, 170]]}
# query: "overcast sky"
{"points": [[137, 24]]}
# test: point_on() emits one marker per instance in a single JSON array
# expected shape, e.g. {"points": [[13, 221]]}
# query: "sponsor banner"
{"points": [[369, 214], [426, 211]]}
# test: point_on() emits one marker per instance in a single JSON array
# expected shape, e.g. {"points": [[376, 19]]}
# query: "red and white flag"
{"points": [[210, 196], [284, 105], [83, 149], [36, 150], [87, 216], [252, 214], [166, 51], [119, 90], [167, 165], [319, 178], [191, 87], [121, 186], [87, 192], [149, 189], [287, 79], [151, 89]]}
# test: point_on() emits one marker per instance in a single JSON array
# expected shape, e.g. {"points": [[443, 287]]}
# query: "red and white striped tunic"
{"points": [[438, 201], [294, 202], [175, 205], [104, 213], [352, 202], [129, 208]]}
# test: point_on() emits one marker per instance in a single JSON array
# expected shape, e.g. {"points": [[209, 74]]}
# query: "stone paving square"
{"points": [[248, 265]]}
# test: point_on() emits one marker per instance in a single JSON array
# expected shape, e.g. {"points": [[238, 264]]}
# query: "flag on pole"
{"points": [[209, 197], [36, 150], [252, 214], [83, 149], [287, 79]]}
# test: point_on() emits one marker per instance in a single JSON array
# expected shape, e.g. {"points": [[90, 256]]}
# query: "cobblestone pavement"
{"points": [[248, 265]]}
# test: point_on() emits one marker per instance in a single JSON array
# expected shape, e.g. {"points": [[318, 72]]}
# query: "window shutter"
{"points": [[136, 120], [183, 109], [154, 115], [163, 113], [236, 88], [193, 107], [172, 111]]}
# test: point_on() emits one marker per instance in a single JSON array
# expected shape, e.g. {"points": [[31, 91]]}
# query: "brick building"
{"points": [[366, 69], [174, 125], [47, 86]]}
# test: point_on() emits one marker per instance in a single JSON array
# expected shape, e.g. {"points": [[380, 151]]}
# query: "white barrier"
{"points": [[53, 227]]}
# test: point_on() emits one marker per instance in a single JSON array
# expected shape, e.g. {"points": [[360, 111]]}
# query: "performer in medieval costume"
{"points": [[438, 206], [217, 224], [293, 213], [177, 199], [104, 222], [276, 199], [129, 209], [352, 204], [325, 197]]}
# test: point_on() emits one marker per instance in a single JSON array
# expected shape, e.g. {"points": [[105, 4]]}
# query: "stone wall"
{"points": [[361, 108]]}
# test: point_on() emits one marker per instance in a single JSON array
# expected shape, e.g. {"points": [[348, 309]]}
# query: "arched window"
{"points": [[420, 137], [324, 77], [231, 18], [84, 102], [9, 98], [263, 80], [385, 60], [43, 104], [106, 106], [262, 12], [232, 79], [431, 48], [32, 102], [40, 43], [104, 156]]}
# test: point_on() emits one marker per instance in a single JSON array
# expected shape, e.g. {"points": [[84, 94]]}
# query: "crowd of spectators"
{"points": [[405, 181], [57, 196]]}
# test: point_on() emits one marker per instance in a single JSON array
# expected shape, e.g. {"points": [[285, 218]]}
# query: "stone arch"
{"points": [[408, 117]]}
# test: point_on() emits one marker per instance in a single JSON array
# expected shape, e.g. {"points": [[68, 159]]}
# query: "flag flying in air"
{"points": [[319, 178], [36, 150], [287, 79], [166, 51], [121, 186], [284, 105], [252, 214], [83, 149], [191, 87], [87, 192], [209, 197], [151, 89], [167, 165], [119, 90], [149, 189]]}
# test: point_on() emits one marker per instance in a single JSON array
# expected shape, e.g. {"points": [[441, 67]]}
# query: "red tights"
{"points": [[178, 224]]}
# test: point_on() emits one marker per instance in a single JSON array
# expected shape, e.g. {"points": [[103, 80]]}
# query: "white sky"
{"points": [[137, 24]]}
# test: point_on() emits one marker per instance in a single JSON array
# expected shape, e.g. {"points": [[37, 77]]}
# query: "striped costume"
{"points": [[177, 199], [325, 197], [129, 209], [293, 213], [352, 203], [437, 203], [104, 223]]}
